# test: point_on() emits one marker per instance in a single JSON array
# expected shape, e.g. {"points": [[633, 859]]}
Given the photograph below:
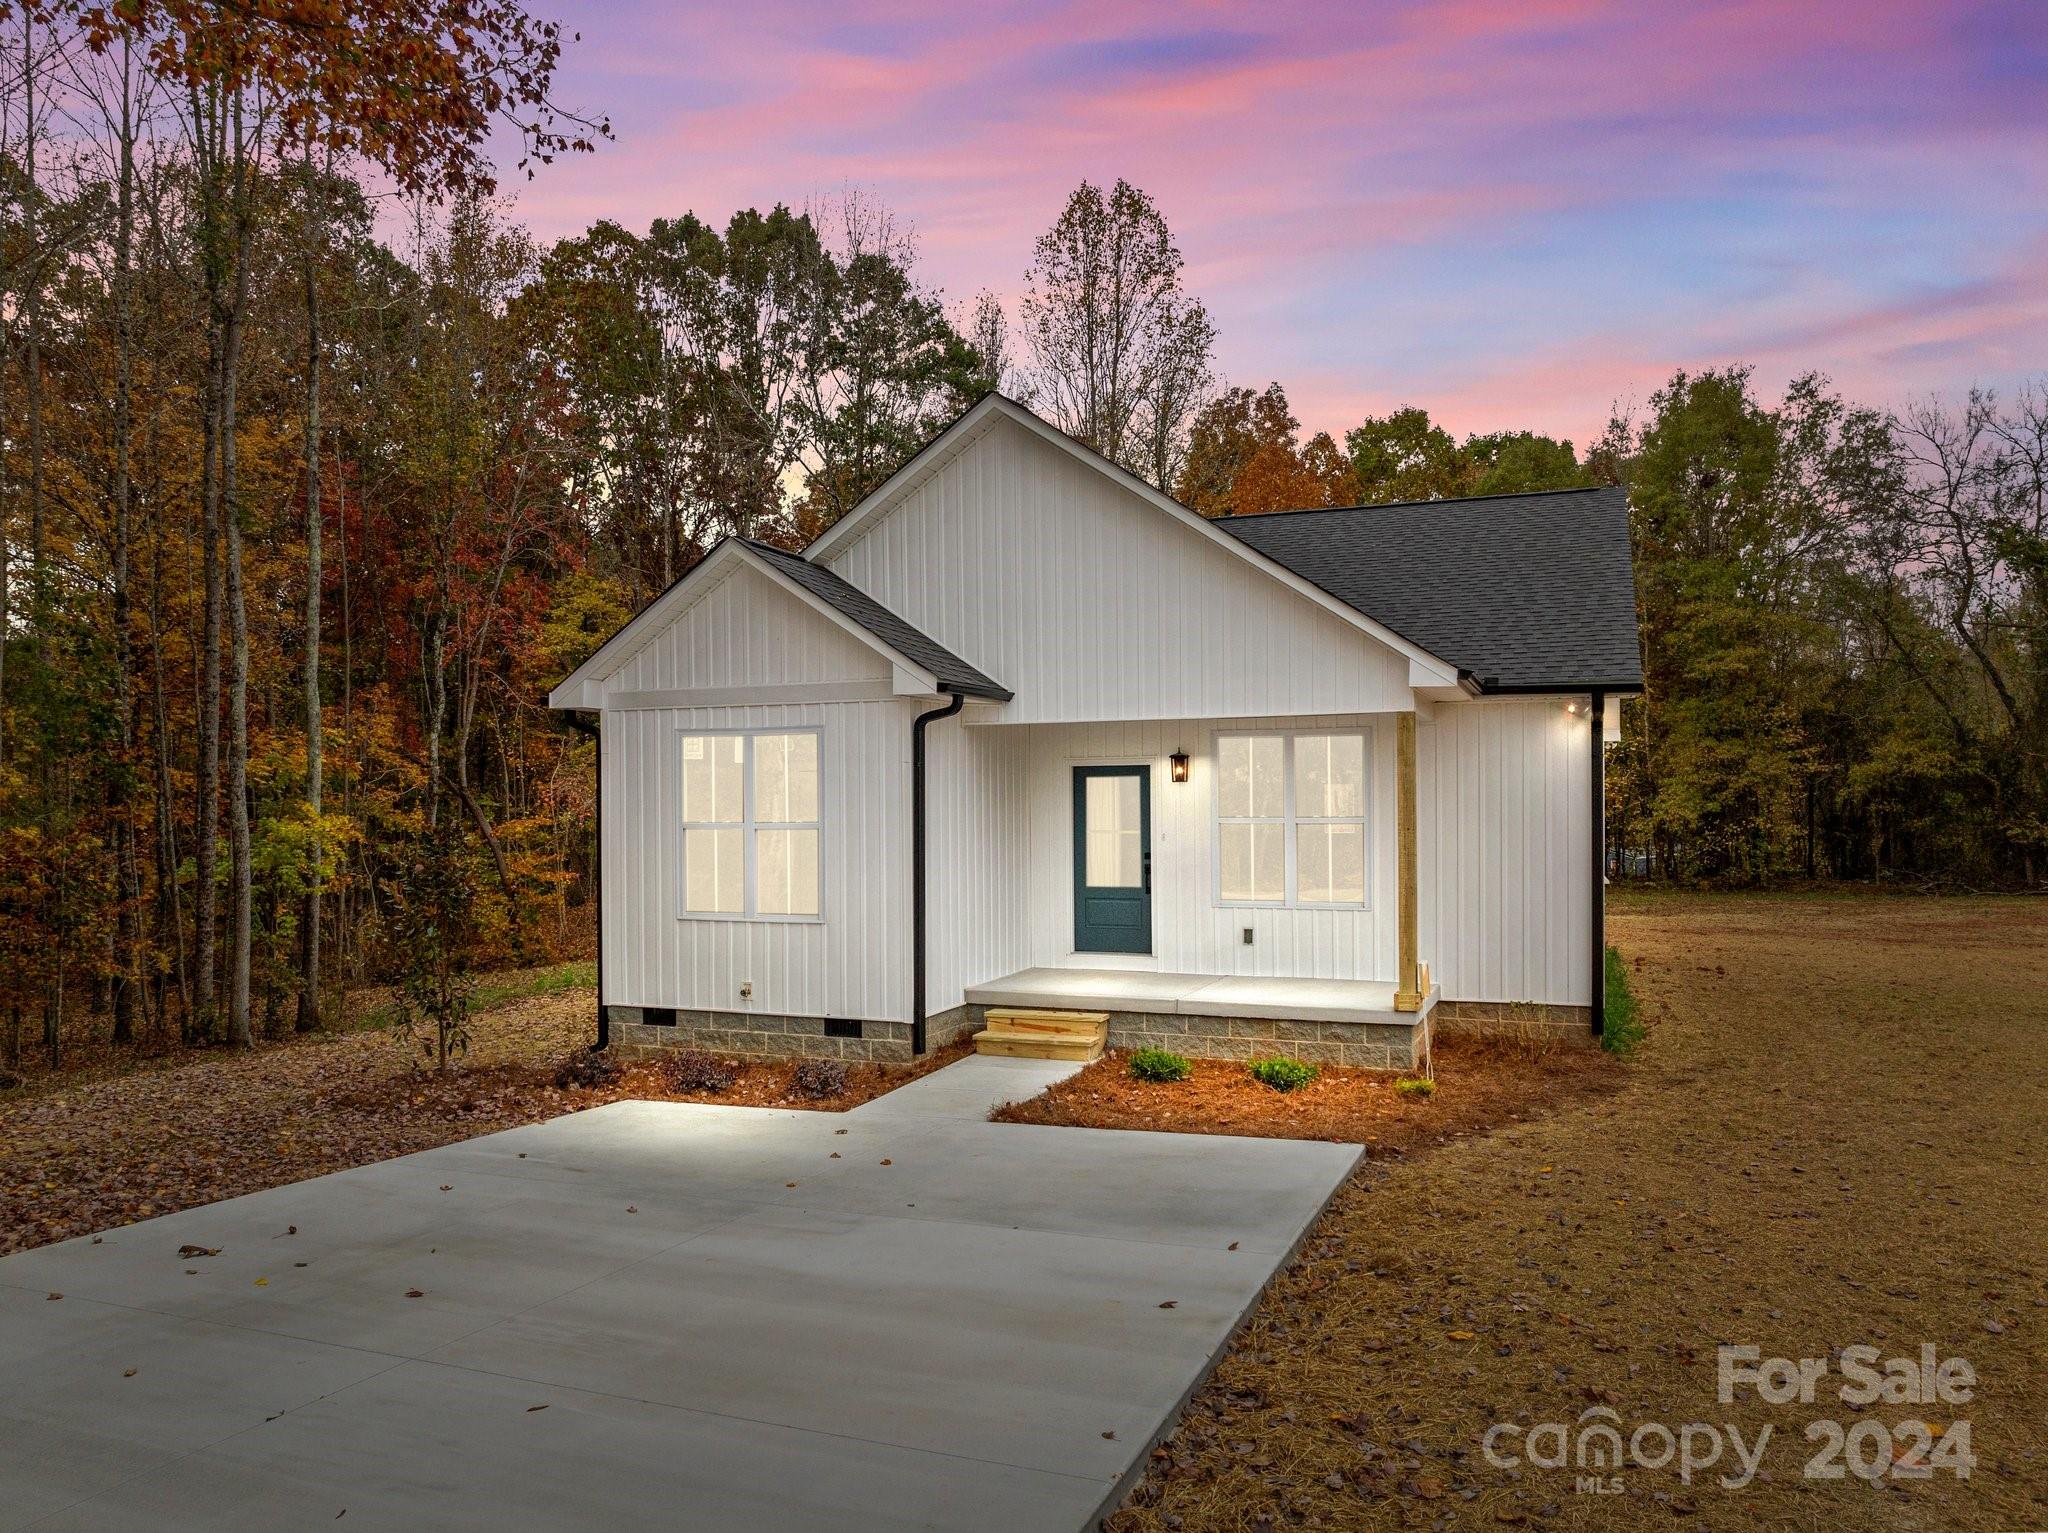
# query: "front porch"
{"points": [[1332, 1021]]}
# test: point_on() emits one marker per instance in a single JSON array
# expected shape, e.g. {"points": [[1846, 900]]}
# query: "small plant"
{"points": [[1282, 1073], [1160, 1065], [819, 1078], [695, 1070], [435, 932], [585, 1069], [1622, 1027], [1415, 1086]]}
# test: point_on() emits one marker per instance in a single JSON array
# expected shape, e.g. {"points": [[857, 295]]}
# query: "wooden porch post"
{"points": [[1408, 977]]}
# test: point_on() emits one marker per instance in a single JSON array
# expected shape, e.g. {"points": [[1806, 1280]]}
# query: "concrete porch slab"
{"points": [[1204, 995]]}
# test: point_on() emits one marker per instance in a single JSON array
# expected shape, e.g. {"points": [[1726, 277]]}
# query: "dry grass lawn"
{"points": [[1833, 1135]]}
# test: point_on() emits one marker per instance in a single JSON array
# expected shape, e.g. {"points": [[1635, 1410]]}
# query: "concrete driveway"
{"points": [[656, 1315]]}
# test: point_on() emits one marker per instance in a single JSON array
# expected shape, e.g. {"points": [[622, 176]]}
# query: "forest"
{"points": [[317, 471]]}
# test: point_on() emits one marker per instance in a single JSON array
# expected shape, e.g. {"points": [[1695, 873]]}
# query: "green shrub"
{"points": [[1160, 1065], [1623, 1028], [587, 1069], [1282, 1073], [1415, 1086]]}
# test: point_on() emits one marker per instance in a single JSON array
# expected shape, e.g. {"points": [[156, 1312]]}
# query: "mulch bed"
{"points": [[1480, 1084]]}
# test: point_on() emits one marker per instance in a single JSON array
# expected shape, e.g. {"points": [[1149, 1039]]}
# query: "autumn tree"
{"points": [[1245, 457]]}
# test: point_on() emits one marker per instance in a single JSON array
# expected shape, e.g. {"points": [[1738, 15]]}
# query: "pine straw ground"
{"points": [[1833, 1135], [1480, 1085], [114, 1145]]}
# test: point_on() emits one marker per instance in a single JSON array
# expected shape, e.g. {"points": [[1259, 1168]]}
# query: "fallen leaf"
{"points": [[127, 1373], [888, 1162], [632, 1208], [414, 1293], [446, 1187], [1170, 1304], [263, 1282], [1231, 1247], [532, 1408], [1459, 1335], [190, 1253], [56, 1296], [789, 1184], [1109, 1437]]}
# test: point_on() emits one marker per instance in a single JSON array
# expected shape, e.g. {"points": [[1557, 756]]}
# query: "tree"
{"points": [[1244, 459], [1119, 351]]}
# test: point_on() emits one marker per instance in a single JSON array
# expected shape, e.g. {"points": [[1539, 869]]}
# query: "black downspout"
{"points": [[1598, 714], [954, 704], [595, 732]]}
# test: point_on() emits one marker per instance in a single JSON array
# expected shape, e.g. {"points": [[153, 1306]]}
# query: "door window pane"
{"points": [[1329, 776], [1254, 862], [1329, 864], [786, 872], [711, 778], [715, 870], [1116, 847], [785, 778]]}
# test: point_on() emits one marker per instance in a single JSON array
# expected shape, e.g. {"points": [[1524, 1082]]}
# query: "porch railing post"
{"points": [[1408, 978]]}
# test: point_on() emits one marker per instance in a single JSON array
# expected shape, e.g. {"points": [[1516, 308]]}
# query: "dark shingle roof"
{"points": [[951, 672], [1524, 592]]}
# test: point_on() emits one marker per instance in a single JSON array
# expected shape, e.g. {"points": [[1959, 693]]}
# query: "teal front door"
{"points": [[1112, 859]]}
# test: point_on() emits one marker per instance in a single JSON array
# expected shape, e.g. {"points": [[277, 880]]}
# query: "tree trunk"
{"points": [[128, 911], [309, 921], [239, 1032]]}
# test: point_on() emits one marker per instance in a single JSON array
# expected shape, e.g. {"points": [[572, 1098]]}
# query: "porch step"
{"points": [[1023, 1033]]}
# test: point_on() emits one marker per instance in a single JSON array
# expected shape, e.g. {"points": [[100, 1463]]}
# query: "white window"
{"points": [[751, 835], [1290, 819]]}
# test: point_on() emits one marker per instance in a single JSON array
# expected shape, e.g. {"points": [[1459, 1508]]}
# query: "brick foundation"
{"points": [[752, 1035], [1515, 1019], [1367, 1045]]}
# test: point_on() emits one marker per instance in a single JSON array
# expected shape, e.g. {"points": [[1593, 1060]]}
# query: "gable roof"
{"points": [[951, 672], [851, 609], [1426, 668], [1525, 593]]}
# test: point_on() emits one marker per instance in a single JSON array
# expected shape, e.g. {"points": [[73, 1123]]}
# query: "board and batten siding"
{"points": [[1191, 932], [854, 963], [747, 631], [1089, 603], [1504, 866], [980, 835]]}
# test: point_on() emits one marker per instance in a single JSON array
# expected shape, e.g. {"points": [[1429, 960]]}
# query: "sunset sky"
{"points": [[1515, 214]]}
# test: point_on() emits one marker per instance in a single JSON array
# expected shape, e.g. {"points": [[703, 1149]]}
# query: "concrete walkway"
{"points": [[656, 1315]]}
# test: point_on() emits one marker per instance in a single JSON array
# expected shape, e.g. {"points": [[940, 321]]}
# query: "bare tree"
{"points": [[1119, 352]]}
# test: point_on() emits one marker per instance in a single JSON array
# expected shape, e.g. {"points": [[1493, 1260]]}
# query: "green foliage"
{"points": [[1282, 1073], [434, 932], [1159, 1065], [1407, 456], [1623, 1025], [555, 979], [1415, 1086]]}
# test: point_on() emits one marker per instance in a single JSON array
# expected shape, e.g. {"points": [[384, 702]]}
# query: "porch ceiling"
{"points": [[1204, 995]]}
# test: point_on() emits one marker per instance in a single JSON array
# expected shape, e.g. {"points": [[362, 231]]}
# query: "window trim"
{"points": [[748, 827], [1288, 821]]}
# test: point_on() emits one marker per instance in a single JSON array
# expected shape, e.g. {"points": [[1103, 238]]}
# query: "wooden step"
{"points": [[1020, 1033]]}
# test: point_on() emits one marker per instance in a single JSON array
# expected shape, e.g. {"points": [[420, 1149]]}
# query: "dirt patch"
{"points": [[91, 1154], [1831, 1137], [1480, 1083]]}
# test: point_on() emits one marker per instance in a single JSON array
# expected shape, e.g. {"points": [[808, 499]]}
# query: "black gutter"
{"points": [[595, 732], [1598, 714], [955, 702]]}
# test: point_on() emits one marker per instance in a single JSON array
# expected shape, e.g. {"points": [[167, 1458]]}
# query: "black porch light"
{"points": [[1178, 761]]}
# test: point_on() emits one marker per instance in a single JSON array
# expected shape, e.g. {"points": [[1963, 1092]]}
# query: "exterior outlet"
{"points": [[1247, 936], [746, 990]]}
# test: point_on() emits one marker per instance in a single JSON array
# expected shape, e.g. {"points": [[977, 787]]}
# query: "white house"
{"points": [[1021, 731]]}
